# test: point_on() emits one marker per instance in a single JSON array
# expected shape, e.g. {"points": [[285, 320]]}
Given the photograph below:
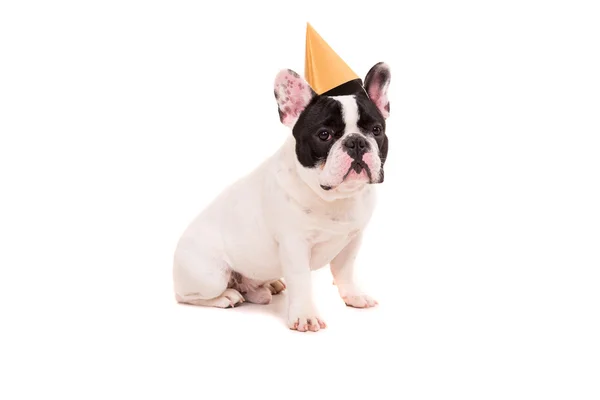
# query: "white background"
{"points": [[120, 120]]}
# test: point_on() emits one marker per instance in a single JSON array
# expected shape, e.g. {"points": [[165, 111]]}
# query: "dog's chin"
{"points": [[353, 180]]}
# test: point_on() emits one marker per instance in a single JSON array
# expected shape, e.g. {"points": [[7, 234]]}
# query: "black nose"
{"points": [[356, 146]]}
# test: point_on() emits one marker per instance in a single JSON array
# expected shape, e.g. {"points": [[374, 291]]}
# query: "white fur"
{"points": [[350, 112], [278, 222]]}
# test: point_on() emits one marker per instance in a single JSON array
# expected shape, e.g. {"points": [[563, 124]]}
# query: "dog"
{"points": [[303, 208]]}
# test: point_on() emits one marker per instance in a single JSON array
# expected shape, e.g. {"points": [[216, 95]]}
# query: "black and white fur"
{"points": [[303, 208]]}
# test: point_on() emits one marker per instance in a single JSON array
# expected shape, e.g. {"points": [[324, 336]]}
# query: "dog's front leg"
{"points": [[294, 255], [342, 269]]}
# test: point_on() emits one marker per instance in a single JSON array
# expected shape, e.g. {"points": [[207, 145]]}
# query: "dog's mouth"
{"points": [[357, 166]]}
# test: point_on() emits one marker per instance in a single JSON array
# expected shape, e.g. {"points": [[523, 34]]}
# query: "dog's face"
{"points": [[341, 142]]}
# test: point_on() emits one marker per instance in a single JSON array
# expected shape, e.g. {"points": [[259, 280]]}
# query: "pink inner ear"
{"points": [[379, 96], [293, 95]]}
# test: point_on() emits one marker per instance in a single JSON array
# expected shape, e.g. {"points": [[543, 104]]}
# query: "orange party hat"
{"points": [[324, 69]]}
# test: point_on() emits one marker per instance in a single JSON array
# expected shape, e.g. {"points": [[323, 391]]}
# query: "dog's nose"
{"points": [[356, 146]]}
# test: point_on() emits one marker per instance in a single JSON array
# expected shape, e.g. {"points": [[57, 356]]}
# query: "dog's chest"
{"points": [[329, 232]]}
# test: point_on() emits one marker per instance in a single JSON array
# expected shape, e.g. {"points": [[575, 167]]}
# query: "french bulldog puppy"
{"points": [[303, 208]]}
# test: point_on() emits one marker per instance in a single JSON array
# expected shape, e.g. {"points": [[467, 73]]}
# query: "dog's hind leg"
{"points": [[252, 290], [276, 286], [203, 281], [228, 299]]}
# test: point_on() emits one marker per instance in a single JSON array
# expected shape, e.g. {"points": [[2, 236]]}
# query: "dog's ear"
{"points": [[293, 94], [376, 85]]}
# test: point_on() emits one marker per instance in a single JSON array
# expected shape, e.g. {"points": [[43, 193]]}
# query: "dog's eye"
{"points": [[377, 130], [324, 135]]}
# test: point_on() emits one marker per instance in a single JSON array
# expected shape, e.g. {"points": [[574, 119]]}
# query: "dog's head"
{"points": [[341, 143]]}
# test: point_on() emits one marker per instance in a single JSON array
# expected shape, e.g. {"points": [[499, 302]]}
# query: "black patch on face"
{"points": [[326, 113], [369, 117], [322, 113]]}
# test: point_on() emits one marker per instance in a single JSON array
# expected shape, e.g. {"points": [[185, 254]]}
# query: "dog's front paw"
{"points": [[360, 301], [354, 297], [305, 321]]}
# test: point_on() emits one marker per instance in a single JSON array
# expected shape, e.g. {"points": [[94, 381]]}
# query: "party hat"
{"points": [[324, 69]]}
